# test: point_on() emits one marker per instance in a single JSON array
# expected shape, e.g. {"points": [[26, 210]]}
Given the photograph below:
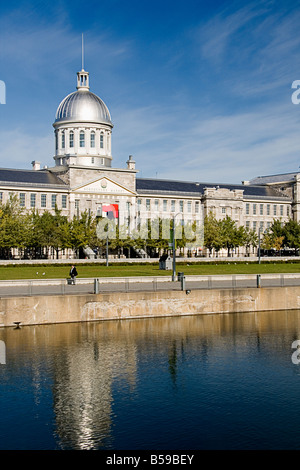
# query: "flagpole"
{"points": [[106, 250]]}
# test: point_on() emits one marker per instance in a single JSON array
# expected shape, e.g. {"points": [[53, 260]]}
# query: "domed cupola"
{"points": [[83, 128]]}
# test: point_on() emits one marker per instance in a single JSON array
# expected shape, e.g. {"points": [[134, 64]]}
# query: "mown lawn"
{"points": [[85, 271]]}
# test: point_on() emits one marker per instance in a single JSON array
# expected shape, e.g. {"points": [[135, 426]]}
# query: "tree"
{"points": [[33, 234], [83, 231], [12, 226], [212, 234], [291, 232], [121, 241], [250, 239], [277, 229], [229, 234], [274, 238], [239, 236]]}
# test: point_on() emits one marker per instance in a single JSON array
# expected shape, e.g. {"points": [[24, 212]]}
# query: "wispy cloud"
{"points": [[211, 102], [217, 36], [45, 51], [223, 148], [255, 48], [19, 149]]}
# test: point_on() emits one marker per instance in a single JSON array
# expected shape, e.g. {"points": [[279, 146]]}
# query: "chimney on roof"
{"points": [[36, 165], [130, 163]]}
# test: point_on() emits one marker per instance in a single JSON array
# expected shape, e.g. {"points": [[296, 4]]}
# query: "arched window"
{"points": [[92, 139], [71, 139], [63, 139], [81, 139], [101, 140]]}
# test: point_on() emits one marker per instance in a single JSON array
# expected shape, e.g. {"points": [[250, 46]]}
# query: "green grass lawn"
{"points": [[113, 270]]}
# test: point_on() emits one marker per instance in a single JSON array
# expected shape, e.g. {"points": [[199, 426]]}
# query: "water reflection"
{"points": [[84, 377], [100, 385]]}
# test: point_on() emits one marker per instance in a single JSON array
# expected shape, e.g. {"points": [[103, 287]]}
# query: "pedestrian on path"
{"points": [[73, 274]]}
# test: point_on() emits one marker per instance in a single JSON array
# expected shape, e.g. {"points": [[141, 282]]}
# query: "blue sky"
{"points": [[197, 90]]}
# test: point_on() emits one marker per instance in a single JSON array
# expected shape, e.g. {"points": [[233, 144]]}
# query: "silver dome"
{"points": [[83, 106]]}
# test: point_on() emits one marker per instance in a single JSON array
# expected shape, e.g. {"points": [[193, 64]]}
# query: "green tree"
{"points": [[291, 232], [12, 226], [275, 237], [122, 240], [229, 234], [212, 234], [239, 237], [83, 232], [33, 234], [250, 239]]}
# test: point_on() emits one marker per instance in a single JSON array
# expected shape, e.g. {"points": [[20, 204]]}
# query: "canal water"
{"points": [[229, 381]]}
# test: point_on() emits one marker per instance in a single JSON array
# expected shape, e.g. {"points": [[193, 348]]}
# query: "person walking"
{"points": [[73, 274]]}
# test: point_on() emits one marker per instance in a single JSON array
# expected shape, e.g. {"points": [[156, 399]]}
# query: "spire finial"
{"points": [[82, 76], [82, 52]]}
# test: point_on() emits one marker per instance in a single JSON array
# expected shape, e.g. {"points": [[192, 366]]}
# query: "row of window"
{"points": [[224, 210], [43, 200], [263, 226], [98, 160], [168, 205], [82, 139], [267, 209], [257, 209]]}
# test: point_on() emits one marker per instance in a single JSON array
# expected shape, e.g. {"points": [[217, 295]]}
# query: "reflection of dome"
{"points": [[82, 106]]}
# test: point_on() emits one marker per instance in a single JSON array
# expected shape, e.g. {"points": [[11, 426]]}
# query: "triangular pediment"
{"points": [[103, 185]]}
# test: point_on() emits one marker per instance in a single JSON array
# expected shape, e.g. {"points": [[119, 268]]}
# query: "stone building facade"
{"points": [[83, 178]]}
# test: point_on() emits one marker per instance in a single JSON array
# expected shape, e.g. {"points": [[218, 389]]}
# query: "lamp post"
{"points": [[174, 248], [107, 250], [259, 245]]}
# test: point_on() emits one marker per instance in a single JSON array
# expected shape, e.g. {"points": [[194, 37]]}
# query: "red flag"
{"points": [[111, 211]]}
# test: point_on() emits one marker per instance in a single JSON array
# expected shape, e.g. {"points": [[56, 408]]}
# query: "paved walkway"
{"points": [[87, 286]]}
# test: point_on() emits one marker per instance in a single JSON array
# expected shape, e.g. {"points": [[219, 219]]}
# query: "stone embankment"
{"points": [[47, 309]]}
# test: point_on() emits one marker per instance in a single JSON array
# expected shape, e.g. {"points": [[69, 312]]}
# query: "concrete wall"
{"points": [[113, 306]]}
